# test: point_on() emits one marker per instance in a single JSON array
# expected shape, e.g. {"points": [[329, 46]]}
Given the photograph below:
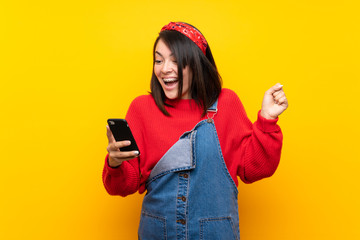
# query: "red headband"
{"points": [[188, 31]]}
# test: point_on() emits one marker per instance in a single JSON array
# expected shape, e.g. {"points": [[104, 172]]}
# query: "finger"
{"points": [[111, 148], [109, 135], [282, 101], [278, 96], [114, 162], [274, 88], [122, 144], [123, 155], [278, 92], [115, 146]]}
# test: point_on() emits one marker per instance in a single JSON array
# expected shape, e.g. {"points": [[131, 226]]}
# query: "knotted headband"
{"points": [[188, 31]]}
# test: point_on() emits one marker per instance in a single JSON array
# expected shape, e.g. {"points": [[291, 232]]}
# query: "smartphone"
{"points": [[121, 131]]}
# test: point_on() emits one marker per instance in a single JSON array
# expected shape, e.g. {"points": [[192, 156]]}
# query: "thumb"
{"points": [[109, 135]]}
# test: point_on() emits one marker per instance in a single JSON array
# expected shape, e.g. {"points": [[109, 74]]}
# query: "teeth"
{"points": [[169, 80]]}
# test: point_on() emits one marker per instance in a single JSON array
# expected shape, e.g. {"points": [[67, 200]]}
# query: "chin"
{"points": [[171, 96]]}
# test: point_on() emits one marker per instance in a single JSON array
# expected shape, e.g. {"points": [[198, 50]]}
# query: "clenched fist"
{"points": [[274, 102]]}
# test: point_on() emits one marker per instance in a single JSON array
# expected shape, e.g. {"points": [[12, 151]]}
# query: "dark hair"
{"points": [[206, 82]]}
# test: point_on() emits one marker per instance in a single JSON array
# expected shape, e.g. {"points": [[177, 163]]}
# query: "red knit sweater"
{"points": [[251, 151]]}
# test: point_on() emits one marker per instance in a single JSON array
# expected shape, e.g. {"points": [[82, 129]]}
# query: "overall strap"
{"points": [[211, 112]]}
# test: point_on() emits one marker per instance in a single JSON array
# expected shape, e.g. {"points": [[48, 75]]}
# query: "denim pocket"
{"points": [[217, 229], [152, 227]]}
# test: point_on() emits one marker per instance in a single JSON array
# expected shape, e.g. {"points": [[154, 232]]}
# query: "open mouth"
{"points": [[170, 81]]}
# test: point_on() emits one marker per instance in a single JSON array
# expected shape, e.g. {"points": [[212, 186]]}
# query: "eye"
{"points": [[158, 61]]}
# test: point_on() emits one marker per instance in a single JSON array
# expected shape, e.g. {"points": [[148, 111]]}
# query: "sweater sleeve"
{"points": [[125, 179], [262, 150], [252, 150]]}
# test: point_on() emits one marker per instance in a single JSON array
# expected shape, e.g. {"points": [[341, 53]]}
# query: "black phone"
{"points": [[121, 131]]}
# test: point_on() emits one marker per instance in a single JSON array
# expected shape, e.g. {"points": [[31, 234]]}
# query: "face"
{"points": [[166, 71]]}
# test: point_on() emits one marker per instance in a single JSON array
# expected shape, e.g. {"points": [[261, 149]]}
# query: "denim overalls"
{"points": [[190, 193]]}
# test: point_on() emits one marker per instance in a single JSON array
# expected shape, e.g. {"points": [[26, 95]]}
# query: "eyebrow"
{"points": [[171, 55]]}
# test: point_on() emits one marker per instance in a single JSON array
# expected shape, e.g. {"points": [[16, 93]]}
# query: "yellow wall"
{"points": [[66, 66]]}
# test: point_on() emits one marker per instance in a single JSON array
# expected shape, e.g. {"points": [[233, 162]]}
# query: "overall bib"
{"points": [[190, 193]]}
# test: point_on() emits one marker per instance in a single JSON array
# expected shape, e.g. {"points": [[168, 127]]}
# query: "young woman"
{"points": [[195, 139]]}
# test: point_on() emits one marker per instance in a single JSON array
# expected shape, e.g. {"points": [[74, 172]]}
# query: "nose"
{"points": [[167, 67]]}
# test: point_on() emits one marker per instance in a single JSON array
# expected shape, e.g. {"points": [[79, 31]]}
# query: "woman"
{"points": [[195, 139]]}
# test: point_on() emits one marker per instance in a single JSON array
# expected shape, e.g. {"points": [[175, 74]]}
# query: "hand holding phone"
{"points": [[122, 145]]}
